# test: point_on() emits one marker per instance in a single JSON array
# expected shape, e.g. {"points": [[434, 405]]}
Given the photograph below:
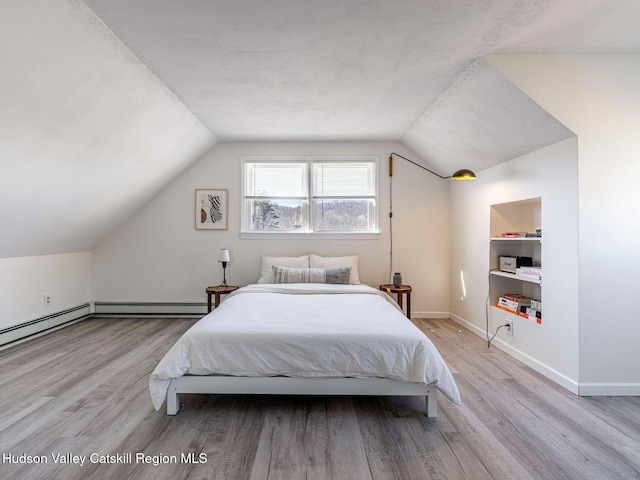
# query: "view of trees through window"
{"points": [[343, 215], [270, 215], [334, 215]]}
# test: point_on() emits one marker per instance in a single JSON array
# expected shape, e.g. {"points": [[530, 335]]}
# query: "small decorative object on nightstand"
{"points": [[399, 291], [217, 291]]}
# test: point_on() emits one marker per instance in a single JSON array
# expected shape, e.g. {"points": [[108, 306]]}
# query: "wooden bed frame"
{"points": [[297, 386]]}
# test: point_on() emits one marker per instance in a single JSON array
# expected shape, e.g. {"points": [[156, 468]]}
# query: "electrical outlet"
{"points": [[509, 324], [46, 300]]}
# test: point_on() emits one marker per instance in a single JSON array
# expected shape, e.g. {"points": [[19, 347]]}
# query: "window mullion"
{"points": [[311, 215]]}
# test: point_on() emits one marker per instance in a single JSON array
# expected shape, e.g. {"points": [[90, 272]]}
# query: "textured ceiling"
{"points": [[105, 101], [354, 70]]}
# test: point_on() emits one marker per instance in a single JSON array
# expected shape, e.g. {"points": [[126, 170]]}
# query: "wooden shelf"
{"points": [[500, 311], [513, 276], [518, 239]]}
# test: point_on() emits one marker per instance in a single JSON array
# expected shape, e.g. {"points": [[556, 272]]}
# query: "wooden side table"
{"points": [[217, 291], [399, 291]]}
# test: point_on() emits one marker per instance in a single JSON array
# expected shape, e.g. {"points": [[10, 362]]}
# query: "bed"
{"points": [[303, 339]]}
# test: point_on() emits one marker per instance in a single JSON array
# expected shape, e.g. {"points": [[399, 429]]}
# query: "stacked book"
{"points": [[530, 273], [534, 311], [514, 303], [537, 234]]}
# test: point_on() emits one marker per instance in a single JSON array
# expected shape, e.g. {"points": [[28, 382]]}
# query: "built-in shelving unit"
{"points": [[519, 216]]}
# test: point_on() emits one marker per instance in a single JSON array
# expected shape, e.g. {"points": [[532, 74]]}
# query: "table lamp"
{"points": [[224, 259]]}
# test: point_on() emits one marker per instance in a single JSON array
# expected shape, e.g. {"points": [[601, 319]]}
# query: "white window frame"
{"points": [[309, 225]]}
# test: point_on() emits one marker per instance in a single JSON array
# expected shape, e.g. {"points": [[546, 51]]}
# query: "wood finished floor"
{"points": [[83, 390]]}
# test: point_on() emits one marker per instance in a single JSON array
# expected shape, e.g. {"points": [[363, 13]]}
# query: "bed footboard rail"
{"points": [[298, 386]]}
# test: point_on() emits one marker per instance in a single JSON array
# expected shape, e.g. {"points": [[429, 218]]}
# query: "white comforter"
{"points": [[305, 330]]}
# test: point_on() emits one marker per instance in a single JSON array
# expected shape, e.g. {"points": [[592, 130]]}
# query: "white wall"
{"points": [[550, 173], [159, 256], [597, 96], [24, 280]]}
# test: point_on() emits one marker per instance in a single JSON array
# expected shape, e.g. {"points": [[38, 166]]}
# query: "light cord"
{"points": [[390, 228]]}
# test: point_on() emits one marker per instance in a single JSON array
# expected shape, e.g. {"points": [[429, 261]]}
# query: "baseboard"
{"points": [[550, 373], [150, 309], [430, 314], [41, 324], [610, 389]]}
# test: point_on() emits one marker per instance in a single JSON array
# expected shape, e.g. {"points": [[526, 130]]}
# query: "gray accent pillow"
{"points": [[311, 275]]}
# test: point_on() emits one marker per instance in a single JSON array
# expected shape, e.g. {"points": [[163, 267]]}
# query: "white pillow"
{"points": [[316, 261], [266, 271]]}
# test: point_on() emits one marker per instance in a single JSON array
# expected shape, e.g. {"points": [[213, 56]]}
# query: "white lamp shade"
{"points": [[224, 255]]}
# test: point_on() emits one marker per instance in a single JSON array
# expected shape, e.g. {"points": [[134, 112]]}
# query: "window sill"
{"points": [[309, 236]]}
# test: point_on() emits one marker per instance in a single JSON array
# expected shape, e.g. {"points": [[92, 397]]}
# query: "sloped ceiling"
{"points": [[102, 104], [87, 133]]}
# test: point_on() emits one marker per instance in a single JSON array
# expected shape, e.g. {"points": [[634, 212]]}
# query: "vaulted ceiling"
{"points": [[104, 102]]}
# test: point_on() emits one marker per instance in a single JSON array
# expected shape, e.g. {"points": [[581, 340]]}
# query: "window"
{"points": [[310, 195]]}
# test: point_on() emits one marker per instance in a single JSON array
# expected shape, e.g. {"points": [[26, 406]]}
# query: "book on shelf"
{"points": [[530, 273], [508, 302], [532, 312], [533, 270], [532, 318], [526, 276], [514, 296], [507, 309], [515, 311], [537, 234], [514, 306], [534, 315]]}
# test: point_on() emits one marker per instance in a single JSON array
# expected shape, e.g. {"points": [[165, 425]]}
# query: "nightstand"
{"points": [[217, 291], [399, 291]]}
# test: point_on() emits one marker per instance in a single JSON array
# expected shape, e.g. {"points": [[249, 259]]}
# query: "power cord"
{"points": [[486, 309], [390, 229], [494, 335], [486, 314]]}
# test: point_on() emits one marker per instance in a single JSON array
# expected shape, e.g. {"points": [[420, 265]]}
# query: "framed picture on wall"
{"points": [[212, 209]]}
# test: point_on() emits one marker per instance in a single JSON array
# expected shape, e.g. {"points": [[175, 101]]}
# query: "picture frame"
{"points": [[212, 209]]}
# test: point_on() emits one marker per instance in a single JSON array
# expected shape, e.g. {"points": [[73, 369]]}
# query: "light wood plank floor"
{"points": [[83, 390]]}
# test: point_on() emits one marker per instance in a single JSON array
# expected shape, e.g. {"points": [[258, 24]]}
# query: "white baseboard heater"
{"points": [[106, 309], [150, 309], [33, 327]]}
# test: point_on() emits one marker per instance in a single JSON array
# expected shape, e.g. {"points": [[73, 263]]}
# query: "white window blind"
{"points": [[276, 180], [332, 179]]}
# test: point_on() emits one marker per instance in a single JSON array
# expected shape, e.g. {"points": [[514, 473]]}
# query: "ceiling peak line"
{"points": [[517, 17], [468, 70]]}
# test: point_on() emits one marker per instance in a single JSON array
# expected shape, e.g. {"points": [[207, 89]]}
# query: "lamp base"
{"points": [[224, 275]]}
